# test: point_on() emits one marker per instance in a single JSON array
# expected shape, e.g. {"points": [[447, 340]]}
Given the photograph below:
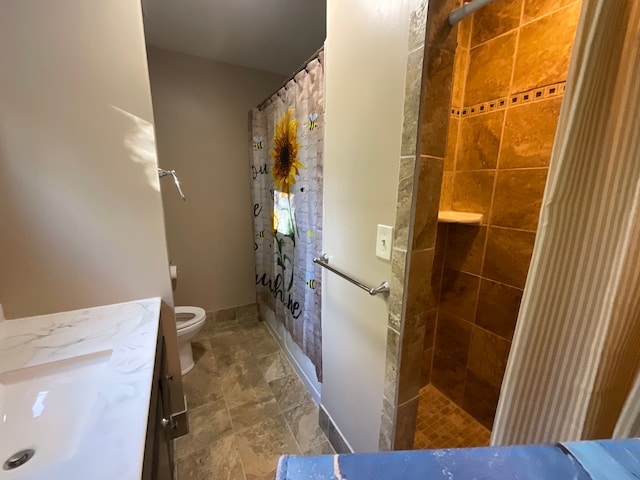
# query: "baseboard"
{"points": [[333, 433]]}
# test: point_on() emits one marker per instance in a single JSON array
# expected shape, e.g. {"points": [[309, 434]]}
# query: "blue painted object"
{"points": [[589, 460]]}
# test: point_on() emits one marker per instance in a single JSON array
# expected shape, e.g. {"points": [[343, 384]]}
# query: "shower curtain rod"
{"points": [[293, 75], [465, 10]]}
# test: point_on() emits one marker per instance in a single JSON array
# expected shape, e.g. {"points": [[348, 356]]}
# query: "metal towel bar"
{"points": [[163, 173], [383, 288]]}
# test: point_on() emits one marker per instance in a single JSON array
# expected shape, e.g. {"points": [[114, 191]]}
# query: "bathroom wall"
{"points": [[80, 208], [201, 117], [510, 67], [366, 60], [432, 44]]}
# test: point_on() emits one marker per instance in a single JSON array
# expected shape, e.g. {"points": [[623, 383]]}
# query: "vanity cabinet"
{"points": [[158, 455]]}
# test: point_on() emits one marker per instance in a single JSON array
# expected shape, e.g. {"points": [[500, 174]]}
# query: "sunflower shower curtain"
{"points": [[287, 136]]}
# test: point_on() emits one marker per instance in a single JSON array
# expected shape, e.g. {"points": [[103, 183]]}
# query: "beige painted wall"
{"points": [[81, 220], [366, 60], [201, 116]]}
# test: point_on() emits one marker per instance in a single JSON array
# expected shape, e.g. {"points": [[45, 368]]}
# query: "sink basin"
{"points": [[41, 404]]}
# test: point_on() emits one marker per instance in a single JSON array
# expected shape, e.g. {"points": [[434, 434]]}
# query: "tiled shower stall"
{"points": [[490, 96]]}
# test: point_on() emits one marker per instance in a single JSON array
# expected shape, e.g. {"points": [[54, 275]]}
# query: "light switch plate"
{"points": [[384, 242]]}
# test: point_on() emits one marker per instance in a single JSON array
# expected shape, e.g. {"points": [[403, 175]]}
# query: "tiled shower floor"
{"points": [[442, 424], [247, 406]]}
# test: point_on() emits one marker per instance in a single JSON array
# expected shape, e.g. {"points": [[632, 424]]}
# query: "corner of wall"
{"points": [[429, 75]]}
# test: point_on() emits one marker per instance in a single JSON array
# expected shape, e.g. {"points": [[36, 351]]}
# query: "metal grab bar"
{"points": [[383, 288]]}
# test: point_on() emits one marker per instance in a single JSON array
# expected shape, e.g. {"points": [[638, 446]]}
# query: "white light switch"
{"points": [[384, 242]]}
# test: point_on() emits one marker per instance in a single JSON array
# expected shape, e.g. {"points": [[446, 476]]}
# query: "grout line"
{"points": [[508, 32], [481, 277], [244, 470], [289, 429], [439, 397], [473, 325], [511, 228], [435, 327], [548, 14], [414, 50], [460, 407], [233, 429], [495, 179], [521, 23], [233, 434], [463, 92]]}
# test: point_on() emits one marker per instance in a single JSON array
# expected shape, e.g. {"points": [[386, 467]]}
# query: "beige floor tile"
{"points": [[202, 384], [303, 422], [254, 412], [249, 386], [236, 392], [214, 324], [263, 346], [202, 337], [267, 476], [274, 366], [219, 461], [229, 339], [231, 367], [262, 445], [289, 392], [249, 321], [207, 425], [324, 448]]}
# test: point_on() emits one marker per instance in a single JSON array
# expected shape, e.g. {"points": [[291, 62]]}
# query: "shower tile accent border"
{"points": [[513, 100], [426, 57]]}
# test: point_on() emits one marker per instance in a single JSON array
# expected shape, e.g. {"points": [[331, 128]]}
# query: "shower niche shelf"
{"points": [[465, 218]]}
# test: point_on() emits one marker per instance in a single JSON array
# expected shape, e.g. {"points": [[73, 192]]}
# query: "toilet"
{"points": [[189, 321]]}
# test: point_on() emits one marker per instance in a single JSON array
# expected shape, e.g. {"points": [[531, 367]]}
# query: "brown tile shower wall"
{"points": [[510, 65], [429, 76]]}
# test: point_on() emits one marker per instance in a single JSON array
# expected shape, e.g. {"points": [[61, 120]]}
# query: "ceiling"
{"points": [[270, 35]]}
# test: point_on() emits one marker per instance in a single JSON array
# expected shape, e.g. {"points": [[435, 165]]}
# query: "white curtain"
{"points": [[573, 368], [287, 138]]}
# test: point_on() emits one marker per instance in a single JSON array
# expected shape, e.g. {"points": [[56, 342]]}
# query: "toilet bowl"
{"points": [[189, 321]]}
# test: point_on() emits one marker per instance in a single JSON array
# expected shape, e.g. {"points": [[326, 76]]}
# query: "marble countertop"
{"points": [[113, 440], [587, 460]]}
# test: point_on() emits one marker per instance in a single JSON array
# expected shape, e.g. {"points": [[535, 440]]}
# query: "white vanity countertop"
{"points": [[112, 442]]}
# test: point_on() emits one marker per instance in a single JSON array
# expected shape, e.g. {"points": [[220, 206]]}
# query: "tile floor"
{"points": [[442, 424], [247, 406]]}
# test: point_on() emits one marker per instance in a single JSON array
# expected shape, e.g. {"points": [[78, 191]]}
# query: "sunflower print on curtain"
{"points": [[287, 138]]}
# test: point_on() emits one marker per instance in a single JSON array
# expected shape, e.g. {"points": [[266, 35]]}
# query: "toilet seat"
{"points": [[188, 316]]}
